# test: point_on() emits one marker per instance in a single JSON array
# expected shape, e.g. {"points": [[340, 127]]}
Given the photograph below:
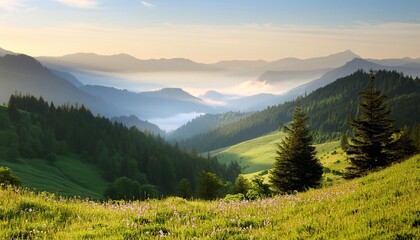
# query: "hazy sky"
{"points": [[212, 30]]}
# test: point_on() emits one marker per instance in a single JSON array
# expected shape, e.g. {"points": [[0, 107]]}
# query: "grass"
{"points": [[68, 176], [253, 155], [382, 205]]}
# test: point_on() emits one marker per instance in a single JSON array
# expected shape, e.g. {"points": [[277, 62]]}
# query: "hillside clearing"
{"points": [[384, 205], [67, 176]]}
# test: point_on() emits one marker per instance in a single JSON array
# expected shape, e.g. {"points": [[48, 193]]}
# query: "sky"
{"points": [[210, 31]]}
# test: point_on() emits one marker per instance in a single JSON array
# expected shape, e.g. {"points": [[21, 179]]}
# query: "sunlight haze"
{"points": [[211, 31]]}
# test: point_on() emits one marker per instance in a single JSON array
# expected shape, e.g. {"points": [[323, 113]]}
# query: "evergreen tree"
{"points": [[296, 167], [184, 188], [12, 109], [372, 144], [344, 144], [258, 189], [241, 185], [209, 185]]}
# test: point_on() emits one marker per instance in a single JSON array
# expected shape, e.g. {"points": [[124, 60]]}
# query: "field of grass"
{"points": [[253, 155], [67, 176], [382, 205], [257, 155]]}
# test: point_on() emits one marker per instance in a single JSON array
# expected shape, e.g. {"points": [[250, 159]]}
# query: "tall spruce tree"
{"points": [[296, 167], [372, 145]]}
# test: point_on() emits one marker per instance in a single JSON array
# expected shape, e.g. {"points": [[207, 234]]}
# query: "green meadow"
{"points": [[381, 205], [257, 155]]}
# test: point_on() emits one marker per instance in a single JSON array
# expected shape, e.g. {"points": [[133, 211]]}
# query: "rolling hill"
{"points": [[329, 108], [383, 204], [258, 154]]}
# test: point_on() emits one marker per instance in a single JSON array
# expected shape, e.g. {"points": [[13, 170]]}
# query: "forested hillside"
{"points": [[204, 124], [329, 109], [142, 125], [33, 128]]}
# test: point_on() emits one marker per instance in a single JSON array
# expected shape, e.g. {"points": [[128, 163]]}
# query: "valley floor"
{"points": [[384, 205]]}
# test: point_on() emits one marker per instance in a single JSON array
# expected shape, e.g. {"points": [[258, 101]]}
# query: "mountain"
{"points": [[329, 109], [145, 126], [217, 96], [345, 70], [394, 61], [155, 104], [295, 64], [24, 74], [4, 52], [288, 64], [122, 63]]}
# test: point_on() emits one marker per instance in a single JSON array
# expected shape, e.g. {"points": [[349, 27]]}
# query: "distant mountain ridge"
{"points": [[345, 70], [162, 103], [289, 64], [122, 63]]}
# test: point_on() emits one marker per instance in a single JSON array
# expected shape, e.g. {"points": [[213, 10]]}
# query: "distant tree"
{"points": [[209, 185], [344, 143], [296, 167], [123, 188], [12, 109], [148, 191], [6, 177], [241, 185], [415, 135], [258, 189], [184, 188], [404, 147], [373, 143]]}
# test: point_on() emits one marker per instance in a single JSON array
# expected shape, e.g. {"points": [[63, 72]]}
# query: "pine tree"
{"points": [[372, 144], [296, 167]]}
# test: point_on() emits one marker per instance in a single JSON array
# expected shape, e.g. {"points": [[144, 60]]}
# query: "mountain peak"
{"points": [[175, 93], [359, 62], [345, 54]]}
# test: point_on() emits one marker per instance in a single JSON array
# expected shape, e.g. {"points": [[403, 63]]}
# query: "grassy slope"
{"points": [[258, 154], [383, 205], [67, 176]]}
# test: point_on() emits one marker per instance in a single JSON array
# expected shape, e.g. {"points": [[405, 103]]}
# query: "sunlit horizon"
{"points": [[208, 32]]}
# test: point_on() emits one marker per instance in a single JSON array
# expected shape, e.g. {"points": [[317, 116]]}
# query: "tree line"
{"points": [[34, 128]]}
